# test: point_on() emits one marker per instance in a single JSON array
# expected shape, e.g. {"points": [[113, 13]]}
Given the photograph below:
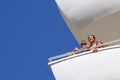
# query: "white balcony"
{"points": [[102, 65]]}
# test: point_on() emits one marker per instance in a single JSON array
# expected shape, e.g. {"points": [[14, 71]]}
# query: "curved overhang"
{"points": [[85, 17]]}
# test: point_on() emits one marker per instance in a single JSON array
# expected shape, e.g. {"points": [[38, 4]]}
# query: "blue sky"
{"points": [[31, 31]]}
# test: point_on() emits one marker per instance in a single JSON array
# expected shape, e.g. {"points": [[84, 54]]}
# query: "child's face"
{"points": [[99, 42]]}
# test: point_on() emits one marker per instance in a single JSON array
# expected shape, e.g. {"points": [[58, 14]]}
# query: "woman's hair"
{"points": [[91, 35]]}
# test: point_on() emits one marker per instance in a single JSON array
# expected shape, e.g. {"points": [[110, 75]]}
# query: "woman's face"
{"points": [[91, 39]]}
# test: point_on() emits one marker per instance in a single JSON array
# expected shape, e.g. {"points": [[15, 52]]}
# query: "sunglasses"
{"points": [[83, 43]]}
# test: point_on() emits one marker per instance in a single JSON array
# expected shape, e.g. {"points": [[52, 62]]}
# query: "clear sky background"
{"points": [[31, 31]]}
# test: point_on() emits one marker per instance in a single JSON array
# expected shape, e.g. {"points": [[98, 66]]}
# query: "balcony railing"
{"points": [[81, 52]]}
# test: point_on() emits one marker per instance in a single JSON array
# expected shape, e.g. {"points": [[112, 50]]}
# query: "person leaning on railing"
{"points": [[99, 42], [94, 43], [84, 46]]}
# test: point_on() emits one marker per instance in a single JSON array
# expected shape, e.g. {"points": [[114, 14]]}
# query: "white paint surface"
{"points": [[102, 65]]}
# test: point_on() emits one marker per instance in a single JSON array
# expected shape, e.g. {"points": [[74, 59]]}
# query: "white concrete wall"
{"points": [[102, 65]]}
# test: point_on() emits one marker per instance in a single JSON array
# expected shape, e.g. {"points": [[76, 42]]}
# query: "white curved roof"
{"points": [[98, 17]]}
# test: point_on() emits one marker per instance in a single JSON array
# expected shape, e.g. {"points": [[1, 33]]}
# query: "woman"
{"points": [[92, 41]]}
